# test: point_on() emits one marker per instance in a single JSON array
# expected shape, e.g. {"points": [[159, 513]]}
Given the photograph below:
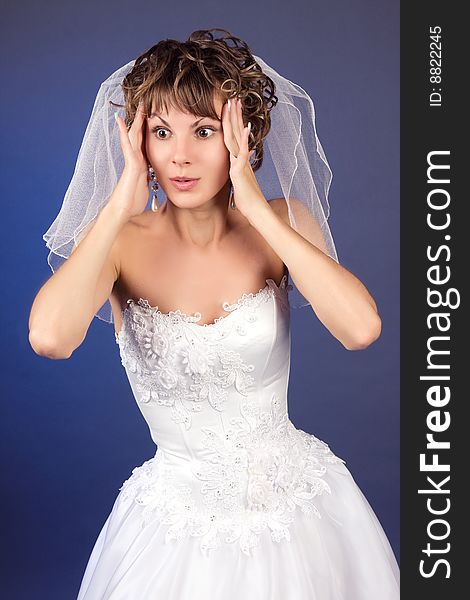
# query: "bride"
{"points": [[196, 117]]}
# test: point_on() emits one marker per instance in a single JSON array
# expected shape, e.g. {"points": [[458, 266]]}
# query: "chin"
{"points": [[192, 199]]}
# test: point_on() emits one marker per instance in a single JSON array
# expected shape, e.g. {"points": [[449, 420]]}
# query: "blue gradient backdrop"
{"points": [[71, 432]]}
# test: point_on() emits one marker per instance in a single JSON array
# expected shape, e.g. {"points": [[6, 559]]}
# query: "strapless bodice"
{"points": [[229, 462]]}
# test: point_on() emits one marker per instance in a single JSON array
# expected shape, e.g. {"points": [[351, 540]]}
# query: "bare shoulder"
{"points": [[129, 249], [146, 221], [135, 230]]}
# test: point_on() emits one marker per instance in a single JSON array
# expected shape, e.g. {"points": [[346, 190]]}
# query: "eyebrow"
{"points": [[192, 126]]}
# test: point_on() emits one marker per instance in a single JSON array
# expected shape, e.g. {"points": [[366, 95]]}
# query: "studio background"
{"points": [[71, 432]]}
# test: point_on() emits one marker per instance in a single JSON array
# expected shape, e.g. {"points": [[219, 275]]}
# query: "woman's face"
{"points": [[183, 145]]}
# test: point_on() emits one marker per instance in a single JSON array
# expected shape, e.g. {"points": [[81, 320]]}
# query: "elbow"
{"points": [[46, 346], [367, 337]]}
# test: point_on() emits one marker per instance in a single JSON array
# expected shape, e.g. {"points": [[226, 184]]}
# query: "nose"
{"points": [[181, 152], [179, 161]]}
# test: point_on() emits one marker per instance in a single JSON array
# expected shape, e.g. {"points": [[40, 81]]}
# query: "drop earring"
{"points": [[153, 178], [232, 201]]}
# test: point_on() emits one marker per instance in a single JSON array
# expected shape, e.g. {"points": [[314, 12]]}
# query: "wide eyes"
{"points": [[157, 131]]}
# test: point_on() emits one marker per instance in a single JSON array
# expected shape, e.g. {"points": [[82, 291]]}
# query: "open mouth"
{"points": [[184, 183]]}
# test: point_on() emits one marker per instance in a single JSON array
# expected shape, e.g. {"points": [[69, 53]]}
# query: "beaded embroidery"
{"points": [[256, 471]]}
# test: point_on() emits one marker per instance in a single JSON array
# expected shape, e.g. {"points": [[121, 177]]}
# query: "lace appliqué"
{"points": [[253, 480], [182, 365]]}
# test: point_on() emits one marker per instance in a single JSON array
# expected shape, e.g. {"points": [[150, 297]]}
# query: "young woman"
{"points": [[236, 503]]}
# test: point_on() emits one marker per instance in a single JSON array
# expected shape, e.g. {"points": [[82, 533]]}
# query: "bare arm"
{"points": [[338, 298], [340, 301], [65, 305]]}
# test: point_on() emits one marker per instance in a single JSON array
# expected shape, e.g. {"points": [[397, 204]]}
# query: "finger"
{"points": [[232, 138], [244, 143], [135, 131], [123, 136], [235, 120], [136, 124], [242, 154], [229, 138], [241, 125]]}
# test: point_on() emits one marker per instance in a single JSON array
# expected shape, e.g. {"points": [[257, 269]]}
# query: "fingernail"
{"points": [[116, 116], [249, 125], [228, 102]]}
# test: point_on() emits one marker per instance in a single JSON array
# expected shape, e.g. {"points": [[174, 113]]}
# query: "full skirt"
{"points": [[344, 555]]}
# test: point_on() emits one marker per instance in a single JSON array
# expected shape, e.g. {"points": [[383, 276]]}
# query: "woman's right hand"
{"points": [[133, 184]]}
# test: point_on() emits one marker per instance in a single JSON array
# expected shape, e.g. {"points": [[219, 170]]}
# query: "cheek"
{"points": [[218, 168], [156, 153], [217, 157]]}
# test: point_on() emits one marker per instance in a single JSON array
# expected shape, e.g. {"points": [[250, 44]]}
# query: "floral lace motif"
{"points": [[253, 480], [165, 348], [257, 469]]}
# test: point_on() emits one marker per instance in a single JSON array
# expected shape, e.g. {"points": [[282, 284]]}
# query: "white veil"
{"points": [[294, 167]]}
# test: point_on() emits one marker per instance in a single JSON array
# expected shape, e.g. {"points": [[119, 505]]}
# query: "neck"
{"points": [[204, 226]]}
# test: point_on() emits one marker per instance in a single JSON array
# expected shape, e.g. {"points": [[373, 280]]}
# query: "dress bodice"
{"points": [[229, 462]]}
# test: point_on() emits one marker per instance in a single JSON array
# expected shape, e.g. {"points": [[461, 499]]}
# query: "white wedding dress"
{"points": [[236, 504]]}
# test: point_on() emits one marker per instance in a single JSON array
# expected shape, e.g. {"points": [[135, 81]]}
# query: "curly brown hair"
{"points": [[190, 75]]}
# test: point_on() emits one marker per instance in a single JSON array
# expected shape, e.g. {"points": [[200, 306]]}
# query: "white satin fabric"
{"points": [[237, 503]]}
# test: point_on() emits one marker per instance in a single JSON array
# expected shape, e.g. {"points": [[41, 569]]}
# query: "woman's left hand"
{"points": [[247, 193]]}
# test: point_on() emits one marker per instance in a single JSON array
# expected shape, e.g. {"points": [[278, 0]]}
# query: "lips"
{"points": [[184, 183]]}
